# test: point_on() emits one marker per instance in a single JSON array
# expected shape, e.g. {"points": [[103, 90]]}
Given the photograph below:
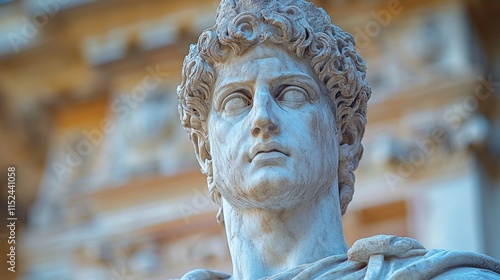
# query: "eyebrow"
{"points": [[235, 84], [297, 76], [283, 76]]}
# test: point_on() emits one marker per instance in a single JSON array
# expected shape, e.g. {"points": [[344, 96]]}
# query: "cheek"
{"points": [[314, 125], [323, 134], [216, 144], [225, 140], [218, 129], [318, 129]]}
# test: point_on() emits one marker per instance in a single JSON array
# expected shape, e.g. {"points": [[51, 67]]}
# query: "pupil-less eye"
{"points": [[293, 94], [235, 102]]}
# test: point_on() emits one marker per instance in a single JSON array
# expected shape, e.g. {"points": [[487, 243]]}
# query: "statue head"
{"points": [[303, 33]]}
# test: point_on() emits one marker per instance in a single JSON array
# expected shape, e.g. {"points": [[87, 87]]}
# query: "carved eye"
{"points": [[293, 95], [235, 101]]}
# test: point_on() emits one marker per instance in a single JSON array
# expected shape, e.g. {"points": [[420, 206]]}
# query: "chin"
{"points": [[278, 191]]}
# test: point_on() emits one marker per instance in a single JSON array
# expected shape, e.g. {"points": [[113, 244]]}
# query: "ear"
{"points": [[202, 151], [350, 151], [350, 147]]}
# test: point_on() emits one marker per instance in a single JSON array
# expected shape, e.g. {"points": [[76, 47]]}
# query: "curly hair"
{"points": [[306, 32]]}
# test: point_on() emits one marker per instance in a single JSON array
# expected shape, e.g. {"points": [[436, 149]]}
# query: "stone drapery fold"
{"points": [[385, 257]]}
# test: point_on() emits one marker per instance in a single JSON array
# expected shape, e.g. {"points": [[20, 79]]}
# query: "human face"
{"points": [[272, 133]]}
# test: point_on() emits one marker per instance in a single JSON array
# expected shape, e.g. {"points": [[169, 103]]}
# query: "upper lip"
{"points": [[267, 148]]}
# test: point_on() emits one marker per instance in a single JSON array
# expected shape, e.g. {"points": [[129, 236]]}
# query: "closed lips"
{"points": [[267, 148]]}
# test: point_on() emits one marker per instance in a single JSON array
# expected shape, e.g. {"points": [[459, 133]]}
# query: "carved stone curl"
{"points": [[305, 31]]}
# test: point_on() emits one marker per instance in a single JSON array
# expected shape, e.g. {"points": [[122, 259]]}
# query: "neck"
{"points": [[264, 243]]}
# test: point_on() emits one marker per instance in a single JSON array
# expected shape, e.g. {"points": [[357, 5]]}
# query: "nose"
{"points": [[264, 122]]}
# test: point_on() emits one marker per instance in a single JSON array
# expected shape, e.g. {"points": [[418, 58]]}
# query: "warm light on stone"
{"points": [[274, 100]]}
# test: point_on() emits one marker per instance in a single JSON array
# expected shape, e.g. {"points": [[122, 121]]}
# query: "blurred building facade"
{"points": [[111, 188]]}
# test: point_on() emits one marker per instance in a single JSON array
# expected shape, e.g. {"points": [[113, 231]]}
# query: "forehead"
{"points": [[261, 61]]}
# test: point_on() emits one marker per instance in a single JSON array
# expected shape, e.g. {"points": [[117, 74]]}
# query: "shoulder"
{"points": [[202, 274], [443, 264], [405, 258], [464, 273]]}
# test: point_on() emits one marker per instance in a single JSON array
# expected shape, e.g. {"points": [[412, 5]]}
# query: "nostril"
{"points": [[272, 127], [256, 131]]}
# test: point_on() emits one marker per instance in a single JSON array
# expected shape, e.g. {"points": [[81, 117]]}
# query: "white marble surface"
{"points": [[274, 100]]}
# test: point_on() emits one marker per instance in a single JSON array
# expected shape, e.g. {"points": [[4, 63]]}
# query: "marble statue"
{"points": [[274, 99]]}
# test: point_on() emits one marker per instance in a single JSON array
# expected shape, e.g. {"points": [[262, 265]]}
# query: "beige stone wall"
{"points": [[110, 186]]}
